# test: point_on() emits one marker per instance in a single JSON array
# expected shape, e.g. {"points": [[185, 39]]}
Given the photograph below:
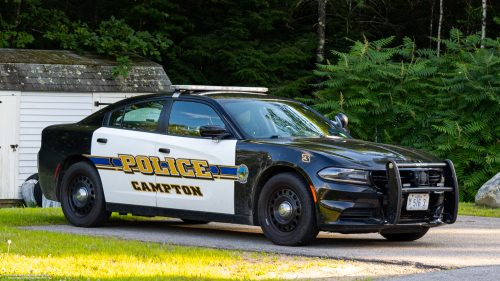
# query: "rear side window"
{"points": [[115, 120], [186, 118], [141, 116]]}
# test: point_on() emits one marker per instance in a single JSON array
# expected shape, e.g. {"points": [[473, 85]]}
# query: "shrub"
{"points": [[448, 105]]}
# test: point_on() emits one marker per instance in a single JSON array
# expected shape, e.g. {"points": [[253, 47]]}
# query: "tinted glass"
{"points": [[271, 118], [116, 118], [143, 116], [186, 118]]}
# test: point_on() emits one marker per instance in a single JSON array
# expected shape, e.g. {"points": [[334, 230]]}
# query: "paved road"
{"points": [[480, 273], [472, 241]]}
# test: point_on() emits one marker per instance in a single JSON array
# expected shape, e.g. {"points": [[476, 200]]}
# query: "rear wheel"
{"points": [[82, 196], [194, 221], [287, 213], [406, 236]]}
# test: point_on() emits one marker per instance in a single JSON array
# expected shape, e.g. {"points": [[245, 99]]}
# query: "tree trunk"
{"points": [[349, 2], [468, 16], [439, 26], [432, 21], [483, 28], [320, 53]]}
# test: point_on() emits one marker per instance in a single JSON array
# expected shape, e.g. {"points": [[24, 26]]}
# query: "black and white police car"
{"points": [[237, 155]]}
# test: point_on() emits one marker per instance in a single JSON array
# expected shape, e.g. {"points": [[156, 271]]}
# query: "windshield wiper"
{"points": [[275, 137]]}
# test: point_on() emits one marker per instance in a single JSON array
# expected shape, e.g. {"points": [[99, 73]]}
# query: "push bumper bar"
{"points": [[395, 190]]}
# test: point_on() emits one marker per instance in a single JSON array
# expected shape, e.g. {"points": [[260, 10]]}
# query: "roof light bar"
{"points": [[217, 88]]}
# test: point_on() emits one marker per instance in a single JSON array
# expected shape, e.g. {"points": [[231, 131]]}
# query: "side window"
{"points": [[143, 116], [186, 118], [115, 120]]}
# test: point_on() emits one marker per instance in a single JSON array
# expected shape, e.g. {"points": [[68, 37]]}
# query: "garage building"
{"points": [[39, 88]]}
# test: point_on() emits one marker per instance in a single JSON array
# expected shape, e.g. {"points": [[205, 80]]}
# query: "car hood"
{"points": [[349, 152]]}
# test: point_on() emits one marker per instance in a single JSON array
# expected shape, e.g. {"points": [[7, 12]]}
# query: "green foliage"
{"points": [[113, 38], [19, 39], [448, 105]]}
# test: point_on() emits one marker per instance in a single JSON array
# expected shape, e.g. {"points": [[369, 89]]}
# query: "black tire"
{"points": [[37, 191], [402, 237], [297, 225], [194, 221], [90, 212]]}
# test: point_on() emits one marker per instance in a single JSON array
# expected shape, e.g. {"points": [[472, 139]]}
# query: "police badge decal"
{"points": [[242, 173]]}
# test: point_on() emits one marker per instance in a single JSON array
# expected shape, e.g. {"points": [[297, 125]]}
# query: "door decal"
{"points": [[170, 167]]}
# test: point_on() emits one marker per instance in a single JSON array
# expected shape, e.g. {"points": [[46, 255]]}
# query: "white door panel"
{"points": [[116, 183], [9, 157], [215, 194]]}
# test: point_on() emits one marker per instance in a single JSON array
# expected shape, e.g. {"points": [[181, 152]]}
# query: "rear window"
{"points": [[142, 116]]}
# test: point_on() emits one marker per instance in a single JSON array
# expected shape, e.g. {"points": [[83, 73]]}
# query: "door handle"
{"points": [[164, 150], [102, 140]]}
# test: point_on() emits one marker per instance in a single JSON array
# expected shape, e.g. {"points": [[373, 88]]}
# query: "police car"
{"points": [[238, 155]]}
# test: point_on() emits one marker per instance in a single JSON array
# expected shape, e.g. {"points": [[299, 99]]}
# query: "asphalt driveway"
{"points": [[472, 241]]}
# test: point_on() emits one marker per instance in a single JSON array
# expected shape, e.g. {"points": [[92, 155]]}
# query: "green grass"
{"points": [[48, 216], [78, 257], [470, 209]]}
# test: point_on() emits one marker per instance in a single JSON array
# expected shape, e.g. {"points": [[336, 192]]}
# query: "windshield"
{"points": [[274, 119]]}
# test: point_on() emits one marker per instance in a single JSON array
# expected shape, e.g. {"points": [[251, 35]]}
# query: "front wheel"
{"points": [[287, 213], [82, 196], [405, 236]]}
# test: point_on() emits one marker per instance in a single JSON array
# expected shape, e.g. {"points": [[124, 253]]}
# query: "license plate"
{"points": [[417, 202]]}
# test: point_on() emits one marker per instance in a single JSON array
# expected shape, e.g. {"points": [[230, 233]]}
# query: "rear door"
{"points": [[121, 153], [198, 174]]}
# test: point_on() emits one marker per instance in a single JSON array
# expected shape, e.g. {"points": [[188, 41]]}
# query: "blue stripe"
{"points": [[117, 162], [164, 165], [228, 171], [214, 170], [100, 161]]}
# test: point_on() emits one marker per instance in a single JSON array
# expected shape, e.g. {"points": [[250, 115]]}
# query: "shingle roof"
{"points": [[48, 70]]}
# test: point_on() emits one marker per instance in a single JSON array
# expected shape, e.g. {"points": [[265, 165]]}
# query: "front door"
{"points": [[198, 174], [121, 153]]}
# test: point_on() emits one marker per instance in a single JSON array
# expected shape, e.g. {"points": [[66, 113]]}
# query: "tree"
{"points": [[439, 26], [483, 25], [320, 57]]}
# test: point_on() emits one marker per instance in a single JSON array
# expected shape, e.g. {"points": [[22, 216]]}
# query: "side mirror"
{"points": [[342, 120], [216, 132]]}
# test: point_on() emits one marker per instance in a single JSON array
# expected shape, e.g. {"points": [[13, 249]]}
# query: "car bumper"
{"points": [[348, 208], [347, 227], [366, 211]]}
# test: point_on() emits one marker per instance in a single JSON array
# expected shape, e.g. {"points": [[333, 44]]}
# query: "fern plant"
{"points": [[447, 105]]}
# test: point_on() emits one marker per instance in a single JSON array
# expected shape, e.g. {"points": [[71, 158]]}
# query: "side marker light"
{"points": [[57, 170], [314, 193]]}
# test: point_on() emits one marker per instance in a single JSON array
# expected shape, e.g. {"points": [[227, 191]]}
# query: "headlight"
{"points": [[346, 175]]}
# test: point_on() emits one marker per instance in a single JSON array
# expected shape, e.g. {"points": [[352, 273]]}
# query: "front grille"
{"points": [[356, 213], [415, 215], [379, 178]]}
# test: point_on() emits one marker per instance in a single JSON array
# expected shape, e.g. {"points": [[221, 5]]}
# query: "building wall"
{"points": [[39, 110], [34, 112]]}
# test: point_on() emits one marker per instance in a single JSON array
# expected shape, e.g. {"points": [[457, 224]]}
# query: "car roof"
{"points": [[209, 95]]}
